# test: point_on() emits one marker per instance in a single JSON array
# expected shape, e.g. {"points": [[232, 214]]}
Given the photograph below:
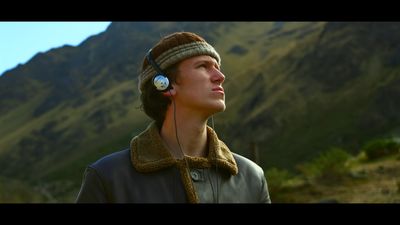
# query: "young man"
{"points": [[178, 158]]}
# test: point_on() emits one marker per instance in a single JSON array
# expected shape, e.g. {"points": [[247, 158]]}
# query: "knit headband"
{"points": [[177, 54]]}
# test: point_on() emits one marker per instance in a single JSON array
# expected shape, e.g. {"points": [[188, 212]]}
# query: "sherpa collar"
{"points": [[149, 154]]}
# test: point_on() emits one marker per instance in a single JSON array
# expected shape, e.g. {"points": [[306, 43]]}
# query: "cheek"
{"points": [[194, 84]]}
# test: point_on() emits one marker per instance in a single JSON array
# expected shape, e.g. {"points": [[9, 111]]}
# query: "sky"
{"points": [[20, 41]]}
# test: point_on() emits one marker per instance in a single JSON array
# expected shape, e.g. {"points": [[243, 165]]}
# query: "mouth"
{"points": [[219, 89]]}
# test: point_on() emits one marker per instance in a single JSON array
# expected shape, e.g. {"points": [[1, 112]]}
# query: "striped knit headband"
{"points": [[175, 55]]}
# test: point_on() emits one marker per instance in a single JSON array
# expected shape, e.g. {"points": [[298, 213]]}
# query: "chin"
{"points": [[215, 107], [220, 108]]}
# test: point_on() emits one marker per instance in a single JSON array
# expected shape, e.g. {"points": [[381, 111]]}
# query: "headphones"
{"points": [[160, 81]]}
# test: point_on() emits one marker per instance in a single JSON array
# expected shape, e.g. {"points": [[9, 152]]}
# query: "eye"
{"points": [[202, 65]]}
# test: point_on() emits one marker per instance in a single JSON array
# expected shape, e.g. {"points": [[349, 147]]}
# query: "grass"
{"points": [[16, 191], [365, 182]]}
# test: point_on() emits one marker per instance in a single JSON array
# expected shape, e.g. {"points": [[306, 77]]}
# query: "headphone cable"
{"points": [[177, 138], [215, 192], [216, 169]]}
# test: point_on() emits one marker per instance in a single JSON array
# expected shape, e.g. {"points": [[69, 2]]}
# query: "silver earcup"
{"points": [[161, 82]]}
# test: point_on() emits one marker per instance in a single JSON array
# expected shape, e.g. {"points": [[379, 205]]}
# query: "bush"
{"points": [[328, 166], [277, 178], [379, 148]]}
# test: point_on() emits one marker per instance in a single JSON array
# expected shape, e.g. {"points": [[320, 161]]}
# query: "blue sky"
{"points": [[20, 41]]}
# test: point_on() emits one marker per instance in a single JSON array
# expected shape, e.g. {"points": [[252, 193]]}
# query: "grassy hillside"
{"points": [[322, 91]]}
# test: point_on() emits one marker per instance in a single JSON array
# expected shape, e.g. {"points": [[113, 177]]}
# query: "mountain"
{"points": [[336, 86], [293, 89]]}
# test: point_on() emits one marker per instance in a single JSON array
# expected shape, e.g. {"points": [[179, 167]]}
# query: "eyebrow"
{"points": [[207, 61]]}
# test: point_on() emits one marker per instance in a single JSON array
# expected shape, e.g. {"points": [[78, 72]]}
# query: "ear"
{"points": [[171, 92]]}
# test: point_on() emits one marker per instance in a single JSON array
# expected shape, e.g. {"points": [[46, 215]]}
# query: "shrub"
{"points": [[277, 178], [328, 166], [379, 148]]}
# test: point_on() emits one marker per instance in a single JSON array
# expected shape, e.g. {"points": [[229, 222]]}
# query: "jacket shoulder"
{"points": [[253, 174], [246, 165], [113, 163]]}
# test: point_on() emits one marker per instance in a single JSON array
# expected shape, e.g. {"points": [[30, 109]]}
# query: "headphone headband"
{"points": [[149, 57], [160, 80]]}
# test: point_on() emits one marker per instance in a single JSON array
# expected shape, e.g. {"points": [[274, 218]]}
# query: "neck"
{"points": [[191, 131]]}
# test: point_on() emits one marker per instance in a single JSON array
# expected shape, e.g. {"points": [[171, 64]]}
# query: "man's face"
{"points": [[199, 86]]}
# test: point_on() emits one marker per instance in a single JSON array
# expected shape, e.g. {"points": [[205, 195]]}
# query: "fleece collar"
{"points": [[149, 154]]}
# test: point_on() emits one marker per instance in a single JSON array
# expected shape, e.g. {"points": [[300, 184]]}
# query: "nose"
{"points": [[218, 77]]}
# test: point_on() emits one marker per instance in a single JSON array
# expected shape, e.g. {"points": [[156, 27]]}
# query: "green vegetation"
{"points": [[16, 191], [337, 177], [328, 166], [379, 148], [277, 179]]}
